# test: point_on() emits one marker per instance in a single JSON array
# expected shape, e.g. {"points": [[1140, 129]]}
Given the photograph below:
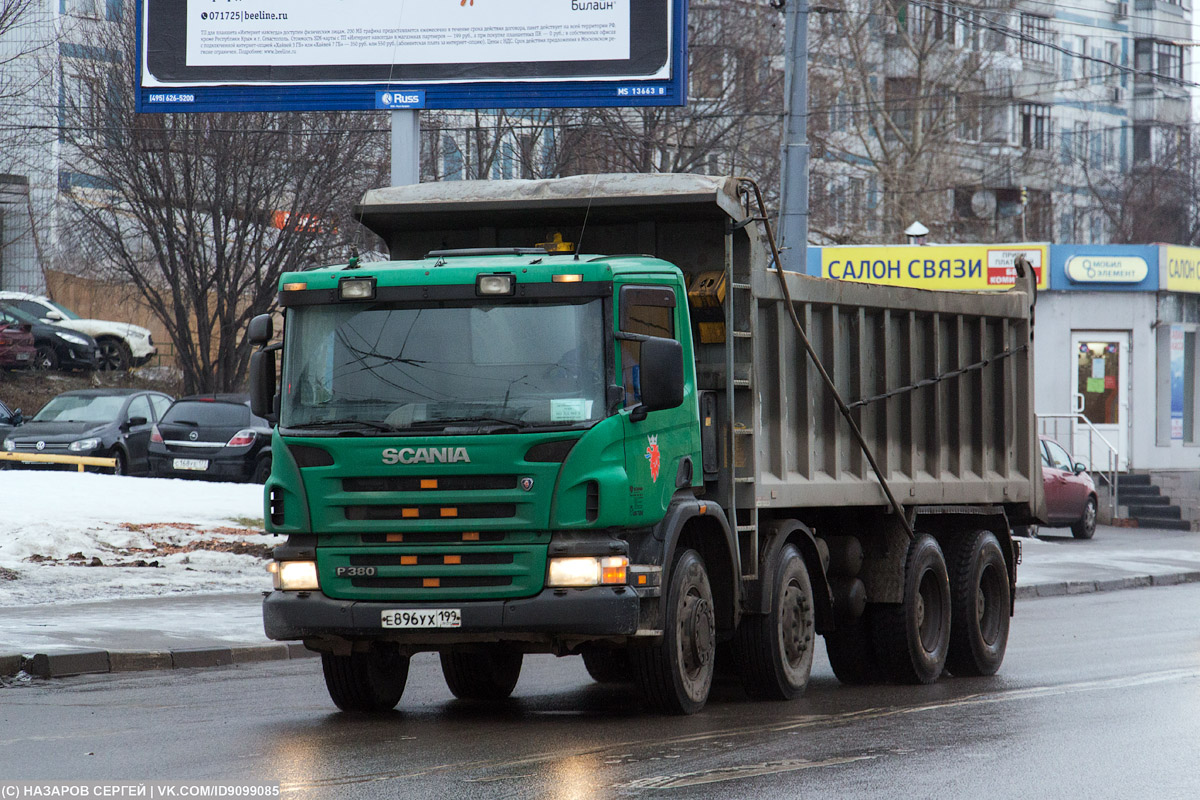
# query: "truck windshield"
{"points": [[382, 368]]}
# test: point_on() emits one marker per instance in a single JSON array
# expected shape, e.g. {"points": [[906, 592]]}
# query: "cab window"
{"points": [[648, 311]]}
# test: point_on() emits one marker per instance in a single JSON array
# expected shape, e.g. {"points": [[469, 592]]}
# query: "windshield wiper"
{"points": [[447, 422], [329, 423]]}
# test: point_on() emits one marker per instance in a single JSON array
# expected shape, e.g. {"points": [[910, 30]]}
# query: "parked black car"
{"points": [[57, 347], [113, 423], [9, 419], [213, 437]]}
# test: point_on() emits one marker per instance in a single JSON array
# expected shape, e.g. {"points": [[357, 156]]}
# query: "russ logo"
{"points": [[654, 457]]}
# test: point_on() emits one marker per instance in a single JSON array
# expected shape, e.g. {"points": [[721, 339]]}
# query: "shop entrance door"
{"points": [[1100, 365]]}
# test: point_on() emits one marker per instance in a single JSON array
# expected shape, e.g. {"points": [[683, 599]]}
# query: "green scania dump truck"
{"points": [[668, 460]]}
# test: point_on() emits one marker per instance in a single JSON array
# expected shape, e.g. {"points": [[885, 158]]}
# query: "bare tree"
{"points": [[731, 122], [204, 212], [912, 116]]}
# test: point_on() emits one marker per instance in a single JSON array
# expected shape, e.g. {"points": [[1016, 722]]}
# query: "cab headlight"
{"points": [[84, 444], [587, 571], [294, 576]]}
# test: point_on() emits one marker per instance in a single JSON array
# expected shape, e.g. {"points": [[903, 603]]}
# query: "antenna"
{"points": [[586, 213]]}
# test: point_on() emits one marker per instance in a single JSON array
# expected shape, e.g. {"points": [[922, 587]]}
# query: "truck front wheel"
{"points": [[775, 650], [365, 682], [912, 637], [675, 674], [980, 604], [488, 674], [607, 665]]}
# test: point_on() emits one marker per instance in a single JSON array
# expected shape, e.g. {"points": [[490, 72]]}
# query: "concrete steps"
{"points": [[1144, 502]]}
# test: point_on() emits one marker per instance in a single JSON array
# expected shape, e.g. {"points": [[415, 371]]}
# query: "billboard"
{"points": [[966, 267], [293, 55]]}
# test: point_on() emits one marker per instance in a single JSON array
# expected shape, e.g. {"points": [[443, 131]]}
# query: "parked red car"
{"points": [[1070, 493], [17, 349]]}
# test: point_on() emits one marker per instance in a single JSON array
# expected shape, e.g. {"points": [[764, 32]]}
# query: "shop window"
{"points": [[1177, 380], [647, 311]]}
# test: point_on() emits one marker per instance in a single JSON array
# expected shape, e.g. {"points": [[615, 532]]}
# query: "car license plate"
{"points": [[423, 618], [24, 356], [190, 463]]}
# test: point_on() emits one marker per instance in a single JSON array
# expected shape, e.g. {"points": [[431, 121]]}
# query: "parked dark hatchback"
{"points": [[113, 423], [213, 437], [17, 347], [57, 347]]}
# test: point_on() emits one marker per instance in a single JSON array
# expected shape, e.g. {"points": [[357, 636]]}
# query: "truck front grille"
{"points": [[431, 511], [451, 571]]}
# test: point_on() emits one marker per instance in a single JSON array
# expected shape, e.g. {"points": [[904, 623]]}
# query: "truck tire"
{"points": [[852, 653], [490, 674], [607, 665], [675, 674], [912, 637], [979, 605], [775, 650], [365, 682], [1085, 528]]}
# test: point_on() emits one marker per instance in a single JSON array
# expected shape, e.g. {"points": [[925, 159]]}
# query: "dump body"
{"points": [[633, 456]]}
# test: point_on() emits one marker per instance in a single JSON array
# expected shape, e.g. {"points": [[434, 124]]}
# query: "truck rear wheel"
{"points": [[775, 650], [913, 637], [852, 653], [676, 674], [979, 603], [488, 674], [365, 682], [607, 665]]}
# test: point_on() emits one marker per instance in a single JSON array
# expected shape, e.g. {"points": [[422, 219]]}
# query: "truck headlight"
{"points": [[84, 445], [295, 576], [587, 571]]}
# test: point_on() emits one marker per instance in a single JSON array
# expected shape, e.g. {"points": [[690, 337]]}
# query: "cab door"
{"points": [[662, 451]]}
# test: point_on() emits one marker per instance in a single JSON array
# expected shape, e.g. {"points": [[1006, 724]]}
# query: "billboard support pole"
{"points": [[793, 201], [406, 147]]}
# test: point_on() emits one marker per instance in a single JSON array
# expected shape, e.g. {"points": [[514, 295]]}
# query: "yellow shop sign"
{"points": [[1183, 269], [942, 267]]}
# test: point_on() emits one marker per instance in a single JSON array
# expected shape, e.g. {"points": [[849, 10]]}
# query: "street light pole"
{"points": [[793, 194]]}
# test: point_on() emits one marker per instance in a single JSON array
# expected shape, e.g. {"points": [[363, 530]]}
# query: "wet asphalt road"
{"points": [[1099, 696]]}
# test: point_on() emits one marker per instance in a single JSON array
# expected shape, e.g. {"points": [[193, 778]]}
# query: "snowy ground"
{"points": [[76, 537]]}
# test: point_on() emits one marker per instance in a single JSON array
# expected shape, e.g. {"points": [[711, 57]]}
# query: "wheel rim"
{"points": [[696, 622], [1089, 516], [110, 356], [928, 612], [792, 633], [988, 611]]}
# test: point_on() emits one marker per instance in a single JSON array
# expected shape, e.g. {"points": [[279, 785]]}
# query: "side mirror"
{"points": [[661, 373], [262, 329], [1080, 467], [53, 316], [17, 418], [134, 422], [262, 383]]}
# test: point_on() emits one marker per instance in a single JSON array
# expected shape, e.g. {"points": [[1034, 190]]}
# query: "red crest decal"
{"points": [[654, 457]]}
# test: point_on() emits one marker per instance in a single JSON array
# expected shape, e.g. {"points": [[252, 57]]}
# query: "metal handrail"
{"points": [[1112, 451], [41, 458]]}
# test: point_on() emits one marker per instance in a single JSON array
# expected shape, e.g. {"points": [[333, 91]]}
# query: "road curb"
{"points": [[67, 663], [1061, 588]]}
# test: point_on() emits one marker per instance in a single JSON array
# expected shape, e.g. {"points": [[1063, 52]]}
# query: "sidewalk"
{"points": [[220, 629]]}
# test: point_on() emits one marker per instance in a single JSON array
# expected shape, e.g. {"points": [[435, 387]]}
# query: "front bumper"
{"points": [[598, 612]]}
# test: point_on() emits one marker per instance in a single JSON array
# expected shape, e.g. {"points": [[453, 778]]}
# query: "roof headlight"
{"points": [[501, 284], [356, 289]]}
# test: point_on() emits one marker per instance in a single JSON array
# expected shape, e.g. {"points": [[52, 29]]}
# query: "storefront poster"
{"points": [[1177, 348]]}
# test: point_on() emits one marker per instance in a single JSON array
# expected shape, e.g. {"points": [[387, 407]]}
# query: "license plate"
{"points": [[24, 356], [190, 463], [423, 618]]}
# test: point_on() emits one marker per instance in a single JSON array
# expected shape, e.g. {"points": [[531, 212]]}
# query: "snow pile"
{"points": [[69, 536]]}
